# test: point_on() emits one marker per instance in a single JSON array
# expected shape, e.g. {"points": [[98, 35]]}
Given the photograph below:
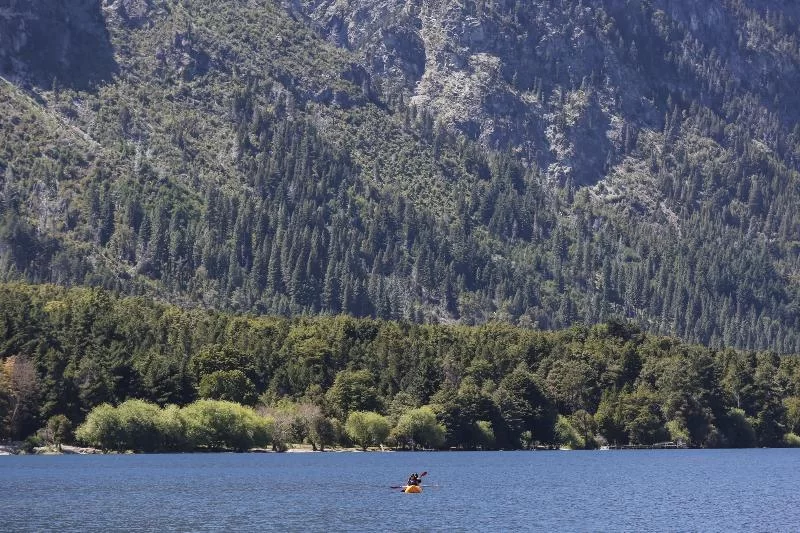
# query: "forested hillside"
{"points": [[532, 163], [72, 350]]}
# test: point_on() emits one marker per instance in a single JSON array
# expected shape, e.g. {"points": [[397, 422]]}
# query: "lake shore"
{"points": [[18, 448]]}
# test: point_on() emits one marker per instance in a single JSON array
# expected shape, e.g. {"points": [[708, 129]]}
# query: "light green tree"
{"points": [[102, 429], [566, 435], [367, 428], [173, 429], [484, 434], [792, 406], [584, 424], [140, 422], [419, 427], [226, 425]]}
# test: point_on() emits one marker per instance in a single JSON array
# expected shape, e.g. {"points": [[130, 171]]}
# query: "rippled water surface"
{"points": [[678, 490]]}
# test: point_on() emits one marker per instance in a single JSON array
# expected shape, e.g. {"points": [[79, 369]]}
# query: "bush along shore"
{"points": [[86, 366]]}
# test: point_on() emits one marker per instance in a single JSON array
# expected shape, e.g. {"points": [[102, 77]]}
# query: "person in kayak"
{"points": [[414, 480]]}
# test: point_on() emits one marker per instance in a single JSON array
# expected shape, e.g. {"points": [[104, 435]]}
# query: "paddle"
{"points": [[404, 486]]}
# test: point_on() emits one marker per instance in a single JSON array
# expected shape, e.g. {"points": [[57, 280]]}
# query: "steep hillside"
{"points": [[569, 84], [542, 163]]}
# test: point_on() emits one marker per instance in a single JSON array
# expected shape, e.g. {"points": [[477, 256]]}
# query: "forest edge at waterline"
{"points": [[76, 367]]}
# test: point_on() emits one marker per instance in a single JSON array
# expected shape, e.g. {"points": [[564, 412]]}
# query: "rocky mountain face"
{"points": [[45, 43], [564, 84], [535, 162]]}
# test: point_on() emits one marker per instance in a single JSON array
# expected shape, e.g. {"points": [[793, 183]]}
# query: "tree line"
{"points": [[333, 379]]}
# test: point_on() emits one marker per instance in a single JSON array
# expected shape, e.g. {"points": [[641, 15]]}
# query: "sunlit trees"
{"points": [[524, 407], [219, 425], [419, 427], [103, 429], [610, 418], [74, 347], [585, 426], [297, 423], [141, 425], [642, 418], [205, 424], [566, 435], [19, 397], [367, 428], [792, 406], [467, 414]]}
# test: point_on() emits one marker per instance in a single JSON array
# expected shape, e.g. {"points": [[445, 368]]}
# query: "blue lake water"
{"points": [[665, 490]]}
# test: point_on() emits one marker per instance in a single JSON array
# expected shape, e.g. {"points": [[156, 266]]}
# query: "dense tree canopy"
{"points": [[79, 352]]}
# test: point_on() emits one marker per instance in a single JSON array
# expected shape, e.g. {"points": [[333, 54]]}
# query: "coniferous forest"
{"points": [[78, 352], [577, 218]]}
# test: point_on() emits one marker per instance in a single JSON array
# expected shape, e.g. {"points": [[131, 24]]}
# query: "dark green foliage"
{"points": [[740, 431], [230, 385], [352, 391], [524, 407], [71, 351], [58, 430]]}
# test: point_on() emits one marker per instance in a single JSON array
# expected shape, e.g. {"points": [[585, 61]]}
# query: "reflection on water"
{"points": [[684, 490]]}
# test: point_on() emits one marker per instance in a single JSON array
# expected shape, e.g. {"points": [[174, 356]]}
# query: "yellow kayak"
{"points": [[412, 489]]}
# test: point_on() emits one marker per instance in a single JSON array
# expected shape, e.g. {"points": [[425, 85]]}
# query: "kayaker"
{"points": [[414, 480]]}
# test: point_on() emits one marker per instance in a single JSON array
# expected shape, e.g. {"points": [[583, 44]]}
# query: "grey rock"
{"points": [[558, 82]]}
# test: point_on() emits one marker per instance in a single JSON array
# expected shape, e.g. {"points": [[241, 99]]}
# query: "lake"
{"points": [[664, 490]]}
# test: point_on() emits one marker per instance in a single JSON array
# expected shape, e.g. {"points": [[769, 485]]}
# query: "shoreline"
{"points": [[17, 448]]}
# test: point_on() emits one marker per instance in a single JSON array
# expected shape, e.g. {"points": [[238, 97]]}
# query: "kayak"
{"points": [[412, 489]]}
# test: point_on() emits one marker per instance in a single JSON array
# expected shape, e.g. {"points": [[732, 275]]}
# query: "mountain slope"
{"points": [[545, 164]]}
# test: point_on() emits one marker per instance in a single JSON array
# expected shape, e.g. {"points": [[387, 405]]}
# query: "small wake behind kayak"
{"points": [[412, 489]]}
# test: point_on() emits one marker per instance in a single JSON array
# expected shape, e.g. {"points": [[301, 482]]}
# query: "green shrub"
{"points": [[33, 441], [367, 428], [141, 423], [419, 426], [791, 440], [142, 426], [218, 424], [567, 436], [102, 429], [484, 434]]}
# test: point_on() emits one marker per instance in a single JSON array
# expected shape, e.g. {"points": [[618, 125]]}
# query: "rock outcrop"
{"points": [[544, 78], [47, 43]]}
